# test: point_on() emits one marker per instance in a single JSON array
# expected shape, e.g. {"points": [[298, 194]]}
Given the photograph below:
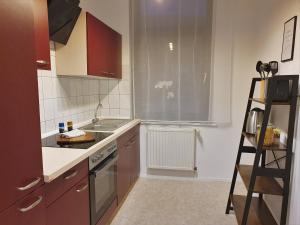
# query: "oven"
{"points": [[103, 180]]}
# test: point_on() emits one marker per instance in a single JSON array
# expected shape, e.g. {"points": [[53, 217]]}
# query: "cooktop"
{"points": [[52, 142]]}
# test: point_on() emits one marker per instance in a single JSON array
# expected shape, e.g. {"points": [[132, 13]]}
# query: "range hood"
{"points": [[63, 15]]}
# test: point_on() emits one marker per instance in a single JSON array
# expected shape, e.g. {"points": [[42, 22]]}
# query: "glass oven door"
{"points": [[103, 187]]}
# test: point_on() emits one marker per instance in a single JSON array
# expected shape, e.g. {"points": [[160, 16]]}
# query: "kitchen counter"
{"points": [[57, 161]]}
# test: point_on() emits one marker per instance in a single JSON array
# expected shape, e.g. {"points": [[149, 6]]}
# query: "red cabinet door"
{"points": [[123, 172], [29, 211], [104, 49], [97, 48], [135, 145], [72, 208], [115, 54], [20, 152], [42, 34]]}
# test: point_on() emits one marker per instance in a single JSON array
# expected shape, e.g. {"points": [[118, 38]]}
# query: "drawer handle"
{"points": [[33, 205], [133, 141], [31, 185], [82, 189], [42, 62], [71, 175]]}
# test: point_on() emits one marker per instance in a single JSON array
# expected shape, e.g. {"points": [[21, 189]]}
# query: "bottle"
{"points": [[70, 125], [61, 127], [269, 135]]}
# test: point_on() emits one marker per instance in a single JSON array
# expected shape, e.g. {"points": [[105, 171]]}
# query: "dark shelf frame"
{"points": [[257, 178]]}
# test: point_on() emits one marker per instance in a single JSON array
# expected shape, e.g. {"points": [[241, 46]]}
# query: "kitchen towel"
{"points": [[73, 134]]}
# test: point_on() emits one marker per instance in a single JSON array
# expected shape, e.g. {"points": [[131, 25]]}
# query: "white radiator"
{"points": [[171, 148]]}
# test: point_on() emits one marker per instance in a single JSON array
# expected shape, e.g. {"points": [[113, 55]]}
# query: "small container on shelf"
{"points": [[70, 125], [269, 135], [61, 127]]}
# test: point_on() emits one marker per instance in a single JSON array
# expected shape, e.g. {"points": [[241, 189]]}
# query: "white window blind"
{"points": [[172, 59]]}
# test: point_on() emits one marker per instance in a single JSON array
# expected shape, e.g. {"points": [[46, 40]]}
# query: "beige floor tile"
{"points": [[172, 202]]}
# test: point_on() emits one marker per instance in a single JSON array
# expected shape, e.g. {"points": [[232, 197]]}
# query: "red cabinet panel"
{"points": [[60, 185], [97, 48], [29, 211], [72, 208], [20, 153], [42, 34], [115, 57], [128, 162], [123, 172], [104, 49]]}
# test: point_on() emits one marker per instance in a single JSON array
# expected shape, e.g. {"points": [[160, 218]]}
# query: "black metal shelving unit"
{"points": [[251, 210]]}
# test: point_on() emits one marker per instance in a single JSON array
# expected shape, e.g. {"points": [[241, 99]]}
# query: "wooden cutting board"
{"points": [[82, 139]]}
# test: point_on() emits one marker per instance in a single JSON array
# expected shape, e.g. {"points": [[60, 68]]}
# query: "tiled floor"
{"points": [[169, 202]]}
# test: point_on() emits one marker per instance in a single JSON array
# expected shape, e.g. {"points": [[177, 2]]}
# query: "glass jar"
{"points": [[269, 136]]}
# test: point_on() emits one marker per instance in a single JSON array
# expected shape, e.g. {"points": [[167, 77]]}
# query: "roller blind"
{"points": [[172, 59]]}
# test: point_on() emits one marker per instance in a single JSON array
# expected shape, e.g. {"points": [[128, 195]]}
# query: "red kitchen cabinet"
{"points": [[93, 49], [135, 145], [42, 34], [21, 170], [123, 172], [104, 48], [28, 211], [97, 39], [128, 162], [72, 208], [115, 56]]}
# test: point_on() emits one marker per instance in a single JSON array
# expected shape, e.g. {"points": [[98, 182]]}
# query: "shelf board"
{"points": [[276, 146], [259, 213], [263, 185], [263, 101]]}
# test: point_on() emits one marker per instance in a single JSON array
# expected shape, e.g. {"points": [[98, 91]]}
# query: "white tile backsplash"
{"points": [[72, 98], [104, 87], [125, 101], [114, 101]]}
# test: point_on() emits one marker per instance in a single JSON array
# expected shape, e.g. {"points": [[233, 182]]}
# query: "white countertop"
{"points": [[57, 161]]}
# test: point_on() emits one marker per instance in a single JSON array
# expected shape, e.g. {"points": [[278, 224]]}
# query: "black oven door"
{"points": [[103, 187]]}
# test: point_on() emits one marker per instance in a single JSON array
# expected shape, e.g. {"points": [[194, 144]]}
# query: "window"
{"points": [[172, 54]]}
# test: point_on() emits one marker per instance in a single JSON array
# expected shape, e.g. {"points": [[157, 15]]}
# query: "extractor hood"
{"points": [[63, 15]]}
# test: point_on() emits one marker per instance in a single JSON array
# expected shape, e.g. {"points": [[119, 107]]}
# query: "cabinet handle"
{"points": [[42, 62], [71, 175], [33, 205], [83, 188], [104, 72], [133, 141], [31, 185]]}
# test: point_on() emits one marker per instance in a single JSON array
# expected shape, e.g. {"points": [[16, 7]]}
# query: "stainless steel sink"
{"points": [[106, 125]]}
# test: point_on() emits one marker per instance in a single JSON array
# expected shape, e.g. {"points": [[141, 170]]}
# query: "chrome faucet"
{"points": [[96, 119]]}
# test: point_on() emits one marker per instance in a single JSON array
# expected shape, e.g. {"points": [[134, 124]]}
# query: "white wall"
{"points": [[269, 33], [71, 98]]}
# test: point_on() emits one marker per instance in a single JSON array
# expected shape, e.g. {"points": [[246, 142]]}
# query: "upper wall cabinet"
{"points": [[42, 34], [93, 49]]}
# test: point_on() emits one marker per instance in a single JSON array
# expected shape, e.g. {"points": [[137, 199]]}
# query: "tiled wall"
{"points": [[74, 98]]}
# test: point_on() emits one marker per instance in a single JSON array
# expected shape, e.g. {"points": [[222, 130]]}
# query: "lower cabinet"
{"points": [[72, 208], [31, 210], [129, 161]]}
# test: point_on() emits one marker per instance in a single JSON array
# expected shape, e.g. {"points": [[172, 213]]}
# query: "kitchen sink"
{"points": [[106, 125]]}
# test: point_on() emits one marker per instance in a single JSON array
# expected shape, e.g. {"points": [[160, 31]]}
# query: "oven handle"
{"points": [[99, 170]]}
